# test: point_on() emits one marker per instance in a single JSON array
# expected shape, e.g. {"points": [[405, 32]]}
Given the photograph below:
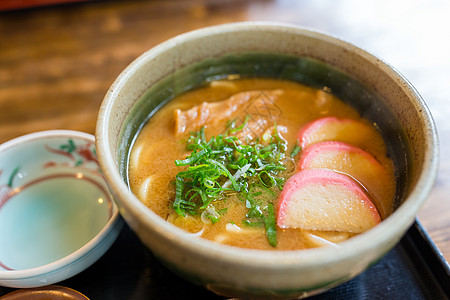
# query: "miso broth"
{"points": [[250, 110]]}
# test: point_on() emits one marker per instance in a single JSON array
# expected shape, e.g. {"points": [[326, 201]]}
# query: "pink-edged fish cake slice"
{"points": [[321, 199], [350, 131], [357, 163]]}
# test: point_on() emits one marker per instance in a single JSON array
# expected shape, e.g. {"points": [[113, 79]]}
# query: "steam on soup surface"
{"points": [[264, 164]]}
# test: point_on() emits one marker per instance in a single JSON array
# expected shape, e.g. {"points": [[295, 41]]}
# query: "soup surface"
{"points": [[245, 206]]}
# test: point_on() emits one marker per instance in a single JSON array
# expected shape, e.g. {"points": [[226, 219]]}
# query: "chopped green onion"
{"points": [[191, 159], [270, 224], [266, 179], [296, 149], [225, 172], [213, 219], [241, 126], [178, 199], [222, 211], [252, 223], [226, 164]]}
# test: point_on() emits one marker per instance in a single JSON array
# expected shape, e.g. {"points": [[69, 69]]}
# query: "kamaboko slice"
{"points": [[321, 199]]}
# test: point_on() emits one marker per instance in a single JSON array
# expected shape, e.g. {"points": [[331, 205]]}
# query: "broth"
{"points": [[284, 105]]}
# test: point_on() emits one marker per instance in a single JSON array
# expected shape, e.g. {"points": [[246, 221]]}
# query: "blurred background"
{"points": [[58, 58]]}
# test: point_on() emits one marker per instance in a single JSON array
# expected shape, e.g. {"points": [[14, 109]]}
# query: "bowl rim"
{"points": [[289, 259], [26, 274]]}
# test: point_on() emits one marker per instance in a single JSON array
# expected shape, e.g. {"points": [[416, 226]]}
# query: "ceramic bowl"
{"points": [[272, 50], [57, 216]]}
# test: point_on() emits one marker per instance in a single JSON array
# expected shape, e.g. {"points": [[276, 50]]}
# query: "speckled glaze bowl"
{"points": [[187, 61], [57, 216]]}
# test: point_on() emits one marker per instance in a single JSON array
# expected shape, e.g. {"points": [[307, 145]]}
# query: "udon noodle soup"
{"points": [[263, 164]]}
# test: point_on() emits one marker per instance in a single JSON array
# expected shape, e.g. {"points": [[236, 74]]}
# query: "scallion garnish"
{"points": [[270, 224], [225, 164], [296, 149]]}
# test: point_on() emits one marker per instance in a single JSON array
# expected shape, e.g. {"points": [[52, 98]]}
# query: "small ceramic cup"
{"points": [[57, 216], [282, 51]]}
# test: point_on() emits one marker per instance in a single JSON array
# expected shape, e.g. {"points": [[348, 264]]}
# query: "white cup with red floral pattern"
{"points": [[57, 216]]}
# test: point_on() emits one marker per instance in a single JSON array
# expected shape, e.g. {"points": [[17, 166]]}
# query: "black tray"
{"points": [[414, 269]]}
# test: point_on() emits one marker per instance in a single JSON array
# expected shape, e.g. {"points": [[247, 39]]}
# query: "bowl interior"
{"points": [[53, 199], [305, 70]]}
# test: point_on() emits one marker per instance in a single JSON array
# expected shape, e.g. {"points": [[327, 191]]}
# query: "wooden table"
{"points": [[56, 63]]}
